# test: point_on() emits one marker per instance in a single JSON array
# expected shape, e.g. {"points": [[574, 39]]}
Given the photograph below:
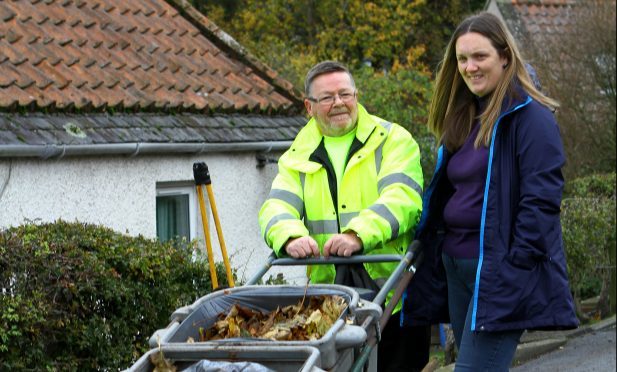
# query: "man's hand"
{"points": [[344, 245], [302, 247]]}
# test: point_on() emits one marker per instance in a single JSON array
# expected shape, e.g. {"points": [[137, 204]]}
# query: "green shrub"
{"points": [[82, 297], [588, 221], [401, 97], [279, 279], [594, 186]]}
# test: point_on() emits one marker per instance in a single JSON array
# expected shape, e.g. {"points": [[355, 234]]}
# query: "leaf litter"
{"points": [[298, 322], [294, 322]]}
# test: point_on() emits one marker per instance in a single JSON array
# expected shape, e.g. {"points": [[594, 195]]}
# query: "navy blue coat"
{"points": [[521, 282]]}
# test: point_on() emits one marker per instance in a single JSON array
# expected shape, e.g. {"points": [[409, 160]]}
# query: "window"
{"points": [[175, 211]]}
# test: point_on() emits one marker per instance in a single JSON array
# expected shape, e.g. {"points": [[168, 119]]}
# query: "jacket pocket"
{"points": [[523, 260]]}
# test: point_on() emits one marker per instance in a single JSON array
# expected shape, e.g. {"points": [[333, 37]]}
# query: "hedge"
{"points": [[588, 221], [82, 297]]}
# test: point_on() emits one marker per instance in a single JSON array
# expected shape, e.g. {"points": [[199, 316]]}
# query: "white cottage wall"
{"points": [[120, 192]]}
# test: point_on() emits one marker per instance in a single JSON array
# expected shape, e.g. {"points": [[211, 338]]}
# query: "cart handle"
{"points": [[332, 260], [404, 260]]}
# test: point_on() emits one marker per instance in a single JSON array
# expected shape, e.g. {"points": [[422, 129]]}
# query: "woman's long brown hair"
{"points": [[452, 111]]}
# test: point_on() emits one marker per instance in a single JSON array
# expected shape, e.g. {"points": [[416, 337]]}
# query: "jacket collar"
{"points": [[309, 138], [516, 96]]}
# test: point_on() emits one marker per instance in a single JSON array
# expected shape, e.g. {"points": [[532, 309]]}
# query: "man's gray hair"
{"points": [[322, 68]]}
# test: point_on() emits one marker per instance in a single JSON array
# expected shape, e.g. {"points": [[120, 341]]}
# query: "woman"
{"points": [[491, 212]]}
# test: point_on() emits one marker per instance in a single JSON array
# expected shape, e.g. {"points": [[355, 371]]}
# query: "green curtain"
{"points": [[172, 217]]}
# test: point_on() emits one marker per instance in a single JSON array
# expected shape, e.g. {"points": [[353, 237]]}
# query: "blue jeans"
{"points": [[477, 351]]}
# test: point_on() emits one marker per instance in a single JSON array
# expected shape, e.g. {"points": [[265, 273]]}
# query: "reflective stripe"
{"points": [[302, 182], [378, 156], [289, 198], [378, 152], [386, 124], [322, 226], [275, 219], [346, 217], [385, 213], [399, 178]]}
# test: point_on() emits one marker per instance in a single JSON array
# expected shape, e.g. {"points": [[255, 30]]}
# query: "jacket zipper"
{"points": [[483, 218]]}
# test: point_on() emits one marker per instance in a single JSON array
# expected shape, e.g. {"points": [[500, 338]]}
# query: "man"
{"points": [[351, 183]]}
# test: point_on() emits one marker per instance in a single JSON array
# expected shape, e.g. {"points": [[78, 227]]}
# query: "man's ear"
{"points": [[309, 107]]}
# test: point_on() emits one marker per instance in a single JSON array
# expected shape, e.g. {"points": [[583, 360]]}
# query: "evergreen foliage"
{"points": [[588, 221], [81, 297]]}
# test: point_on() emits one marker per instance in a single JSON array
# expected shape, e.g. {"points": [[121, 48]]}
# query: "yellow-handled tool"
{"points": [[202, 177]]}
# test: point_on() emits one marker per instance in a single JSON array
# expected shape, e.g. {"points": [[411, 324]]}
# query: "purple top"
{"points": [[462, 214]]}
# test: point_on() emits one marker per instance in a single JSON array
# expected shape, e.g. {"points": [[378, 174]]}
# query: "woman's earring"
{"points": [[504, 66]]}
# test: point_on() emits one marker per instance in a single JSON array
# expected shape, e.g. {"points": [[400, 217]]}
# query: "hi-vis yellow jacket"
{"points": [[380, 196]]}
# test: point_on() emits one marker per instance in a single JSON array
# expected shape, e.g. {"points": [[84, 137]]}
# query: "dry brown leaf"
{"points": [[306, 320], [160, 363]]}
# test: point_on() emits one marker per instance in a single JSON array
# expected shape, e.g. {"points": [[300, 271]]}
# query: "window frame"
{"points": [[183, 188]]}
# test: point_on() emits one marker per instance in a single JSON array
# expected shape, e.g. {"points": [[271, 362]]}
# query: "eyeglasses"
{"points": [[329, 100]]}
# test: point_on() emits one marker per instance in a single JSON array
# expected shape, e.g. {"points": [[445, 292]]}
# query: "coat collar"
{"points": [[309, 138], [516, 96]]}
